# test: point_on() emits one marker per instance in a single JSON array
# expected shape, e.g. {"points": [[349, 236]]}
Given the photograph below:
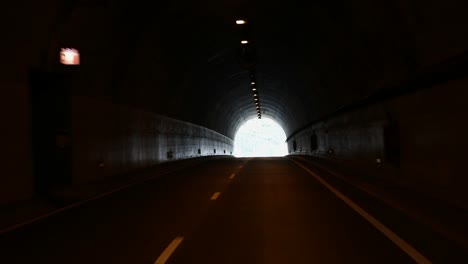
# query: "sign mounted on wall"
{"points": [[69, 56]]}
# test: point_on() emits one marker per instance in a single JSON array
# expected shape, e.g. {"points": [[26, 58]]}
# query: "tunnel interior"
{"points": [[349, 81]]}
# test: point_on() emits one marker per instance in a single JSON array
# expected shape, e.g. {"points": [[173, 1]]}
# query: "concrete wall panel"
{"points": [[420, 139], [110, 139]]}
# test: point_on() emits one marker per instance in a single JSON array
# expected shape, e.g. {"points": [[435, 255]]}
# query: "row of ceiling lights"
{"points": [[253, 83]]}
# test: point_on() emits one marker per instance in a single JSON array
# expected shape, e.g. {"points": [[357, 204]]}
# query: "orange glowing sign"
{"points": [[70, 57]]}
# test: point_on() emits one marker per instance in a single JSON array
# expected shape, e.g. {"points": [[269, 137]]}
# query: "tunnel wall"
{"points": [[16, 176], [110, 139], [419, 138], [107, 139]]}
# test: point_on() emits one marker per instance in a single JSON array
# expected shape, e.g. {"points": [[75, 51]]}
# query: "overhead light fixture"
{"points": [[69, 56], [252, 83], [254, 89], [256, 99], [240, 22], [244, 42]]}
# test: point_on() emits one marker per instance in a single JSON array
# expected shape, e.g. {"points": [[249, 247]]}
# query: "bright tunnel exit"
{"points": [[260, 138]]}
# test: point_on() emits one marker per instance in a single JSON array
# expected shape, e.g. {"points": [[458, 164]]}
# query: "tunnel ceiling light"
{"points": [[244, 42], [252, 83], [254, 89], [69, 56], [256, 99], [241, 22]]}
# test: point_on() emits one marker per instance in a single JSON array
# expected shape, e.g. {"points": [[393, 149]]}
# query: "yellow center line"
{"points": [[169, 250], [215, 196], [402, 244]]}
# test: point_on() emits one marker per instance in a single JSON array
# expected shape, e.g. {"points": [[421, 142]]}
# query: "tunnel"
{"points": [[100, 96]]}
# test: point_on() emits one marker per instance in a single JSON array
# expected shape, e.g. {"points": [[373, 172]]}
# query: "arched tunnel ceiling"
{"points": [[179, 58]]}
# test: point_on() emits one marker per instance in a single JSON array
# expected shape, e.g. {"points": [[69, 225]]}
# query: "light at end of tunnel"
{"points": [[240, 22], [69, 56], [244, 42], [260, 137]]}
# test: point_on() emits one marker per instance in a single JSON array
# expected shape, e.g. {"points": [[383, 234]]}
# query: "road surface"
{"points": [[262, 210]]}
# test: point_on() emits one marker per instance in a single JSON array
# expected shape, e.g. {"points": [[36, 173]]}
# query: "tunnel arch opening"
{"points": [[260, 138]]}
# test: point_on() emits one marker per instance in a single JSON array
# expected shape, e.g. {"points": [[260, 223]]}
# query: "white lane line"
{"points": [[215, 196], [80, 203], [232, 176], [402, 244], [169, 250]]}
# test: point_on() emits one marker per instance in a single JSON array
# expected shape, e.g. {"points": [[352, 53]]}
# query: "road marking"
{"points": [[169, 250], [232, 176], [80, 203], [215, 196], [402, 244]]}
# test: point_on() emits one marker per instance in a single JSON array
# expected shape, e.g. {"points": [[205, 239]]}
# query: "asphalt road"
{"points": [[266, 210]]}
